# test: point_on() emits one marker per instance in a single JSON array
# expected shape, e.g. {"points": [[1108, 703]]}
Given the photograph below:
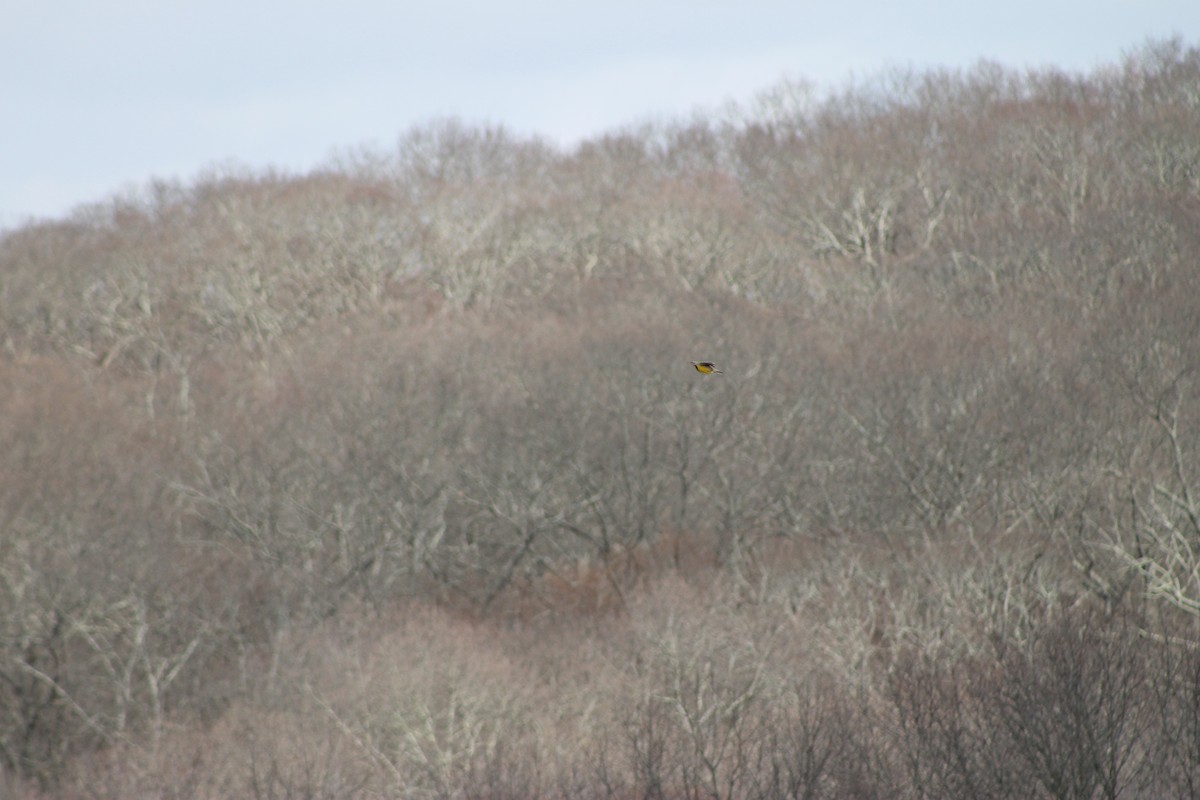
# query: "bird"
{"points": [[706, 367]]}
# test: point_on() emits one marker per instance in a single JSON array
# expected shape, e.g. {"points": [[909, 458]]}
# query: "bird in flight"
{"points": [[706, 367]]}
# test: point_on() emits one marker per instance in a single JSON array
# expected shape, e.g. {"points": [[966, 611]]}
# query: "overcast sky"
{"points": [[101, 95]]}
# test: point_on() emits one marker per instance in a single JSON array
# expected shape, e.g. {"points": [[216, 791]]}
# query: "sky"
{"points": [[98, 97]]}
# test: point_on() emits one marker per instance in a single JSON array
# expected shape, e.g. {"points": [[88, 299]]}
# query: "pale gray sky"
{"points": [[101, 95]]}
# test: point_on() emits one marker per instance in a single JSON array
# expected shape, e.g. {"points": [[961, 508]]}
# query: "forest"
{"points": [[393, 479]]}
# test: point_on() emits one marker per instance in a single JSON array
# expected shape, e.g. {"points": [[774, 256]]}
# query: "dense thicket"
{"points": [[394, 480]]}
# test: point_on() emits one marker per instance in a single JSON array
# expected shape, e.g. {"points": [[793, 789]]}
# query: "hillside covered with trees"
{"points": [[393, 479]]}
